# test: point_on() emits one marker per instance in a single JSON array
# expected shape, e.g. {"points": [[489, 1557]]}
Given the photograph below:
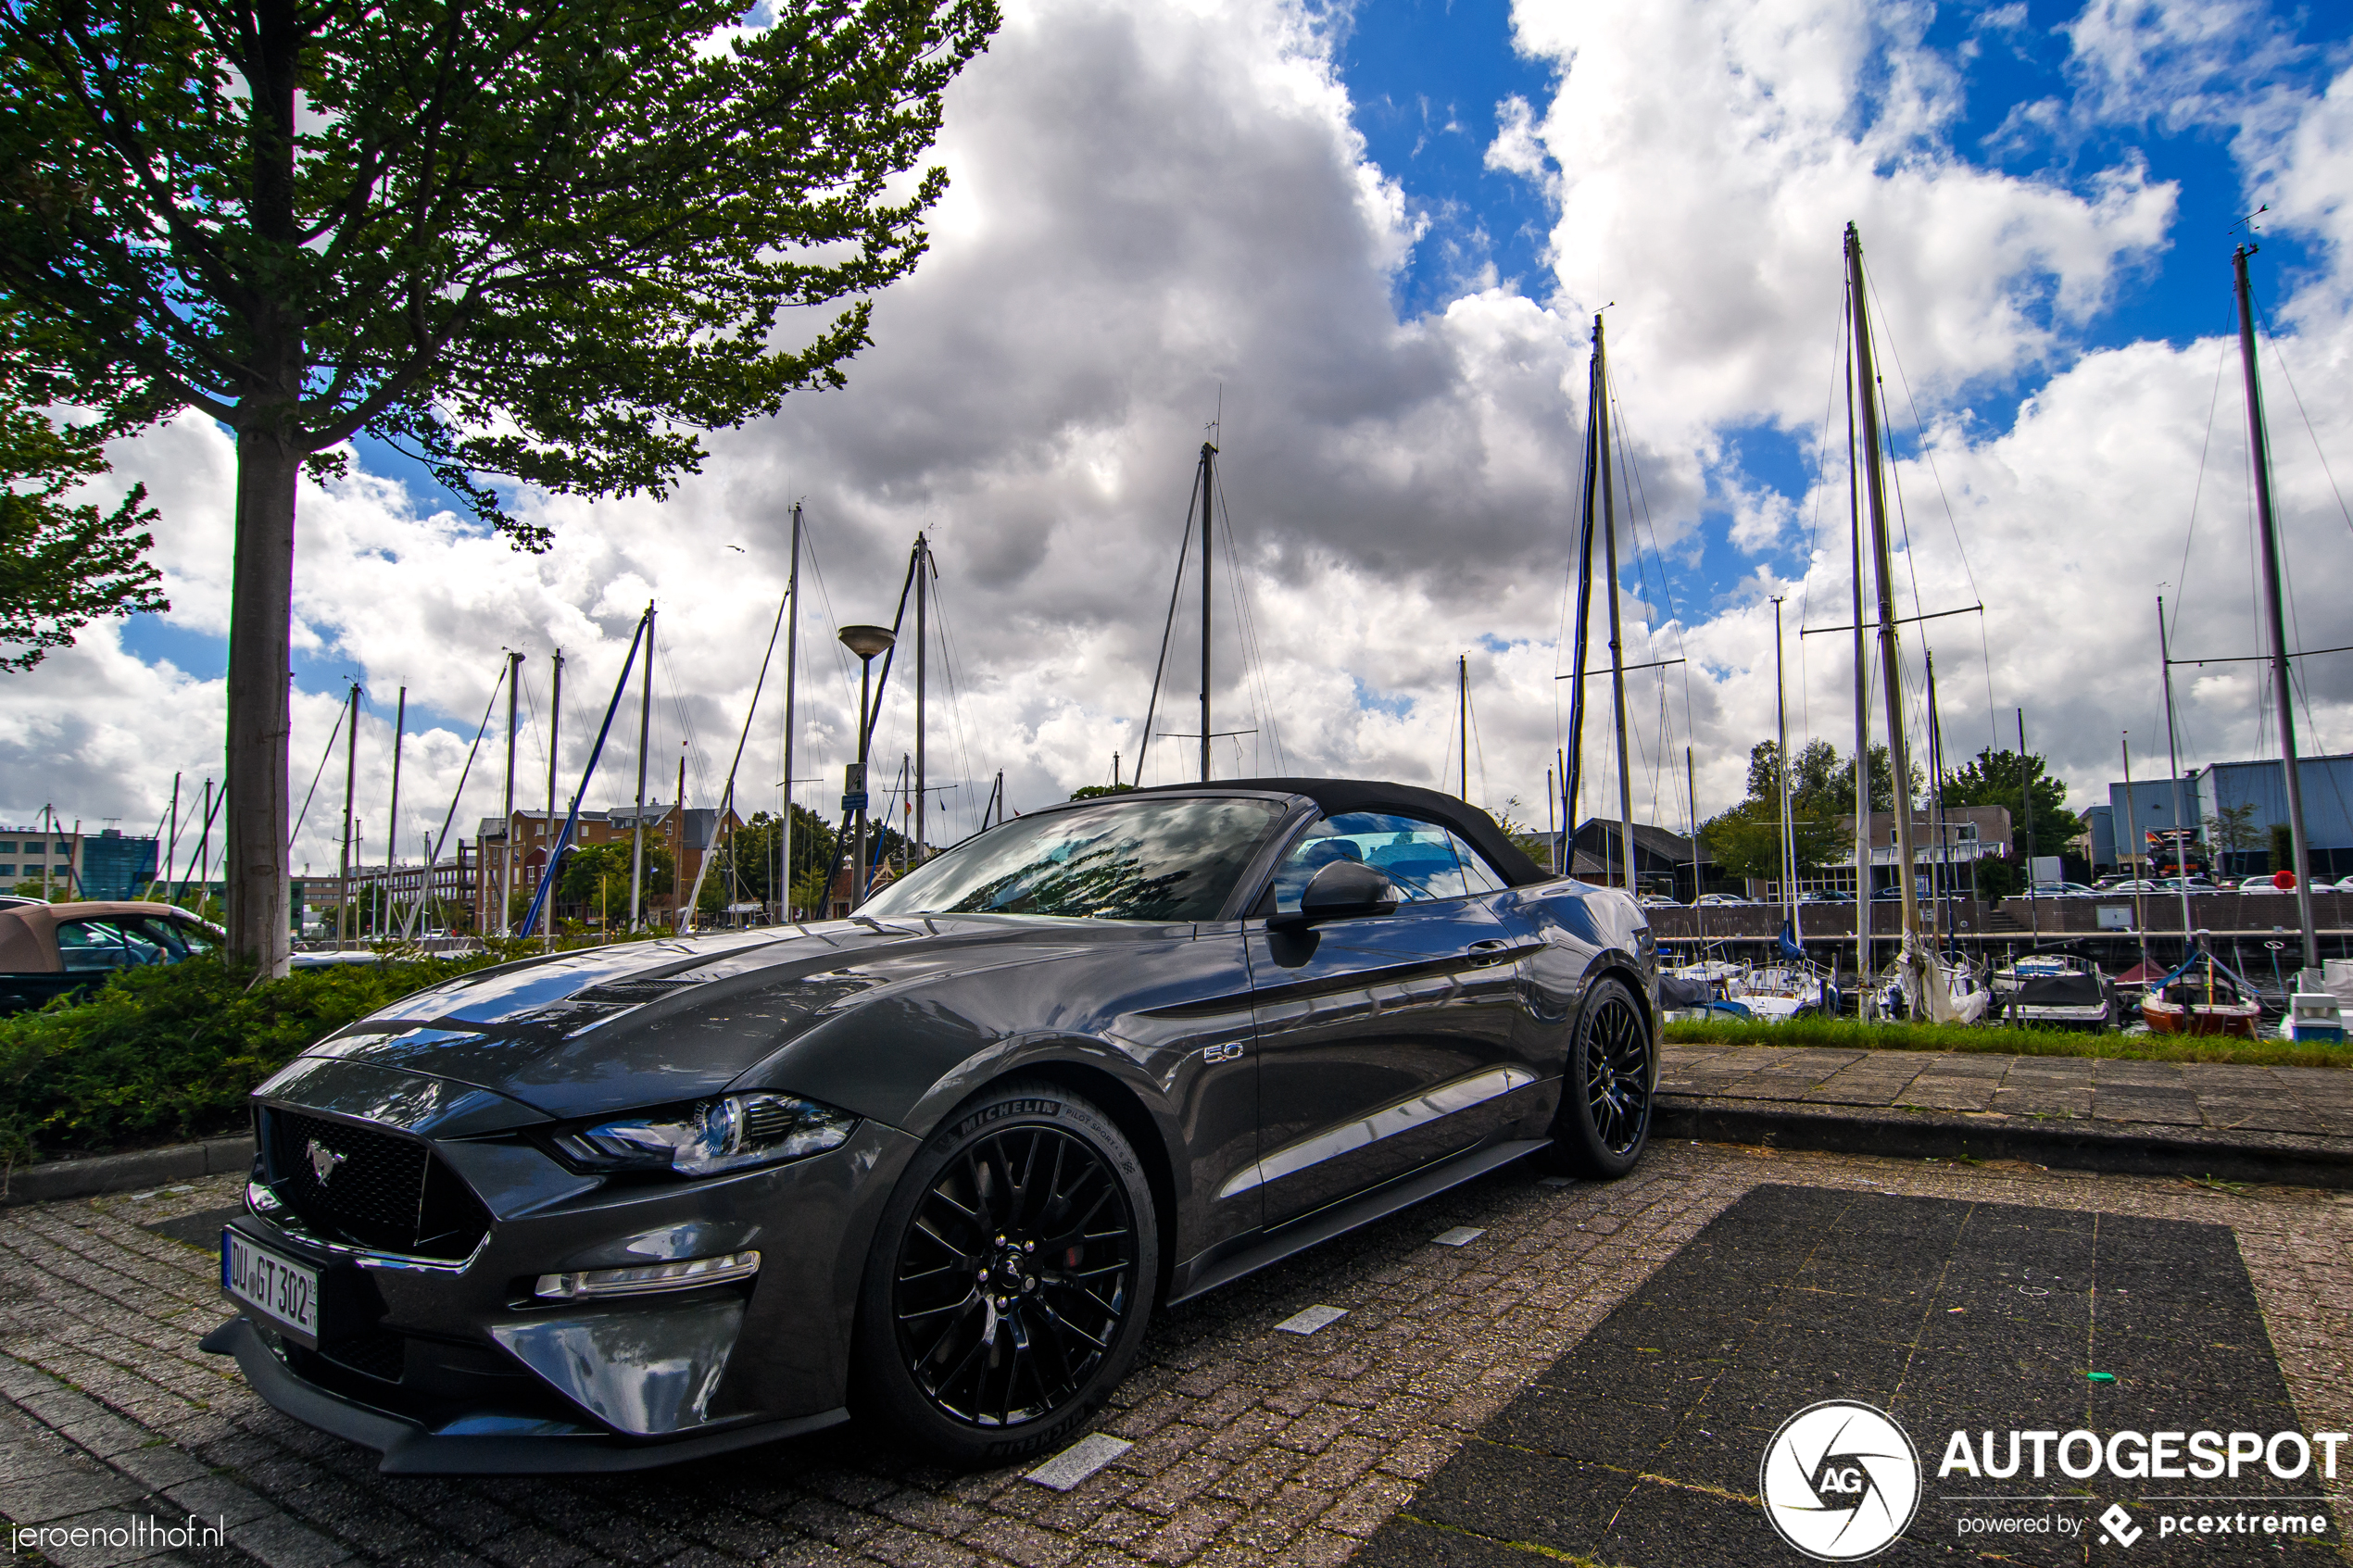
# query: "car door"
{"points": [[1383, 1040]]}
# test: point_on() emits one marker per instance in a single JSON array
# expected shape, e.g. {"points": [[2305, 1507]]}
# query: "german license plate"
{"points": [[284, 1291]]}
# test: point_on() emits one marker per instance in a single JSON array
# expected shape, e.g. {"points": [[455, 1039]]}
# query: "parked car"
{"points": [[56, 949], [1724, 901], [2064, 890], [935, 1163], [1659, 901], [1826, 896]]}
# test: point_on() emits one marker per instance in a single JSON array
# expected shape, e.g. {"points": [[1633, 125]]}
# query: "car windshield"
{"points": [[1156, 859]]}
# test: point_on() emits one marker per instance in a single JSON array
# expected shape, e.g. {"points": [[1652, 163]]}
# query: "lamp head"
{"points": [[867, 641]]}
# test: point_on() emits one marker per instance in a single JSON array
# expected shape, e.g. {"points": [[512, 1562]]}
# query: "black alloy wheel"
{"points": [[1606, 1101], [1011, 1278]]}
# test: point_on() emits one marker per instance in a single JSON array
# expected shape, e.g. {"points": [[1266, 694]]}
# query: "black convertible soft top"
{"points": [[1336, 795]]}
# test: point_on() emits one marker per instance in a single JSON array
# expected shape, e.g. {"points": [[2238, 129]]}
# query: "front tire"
{"points": [[1606, 1092], [1011, 1279]]}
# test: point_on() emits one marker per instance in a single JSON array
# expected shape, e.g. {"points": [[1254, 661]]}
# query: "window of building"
{"points": [[8, 871], [8, 849]]}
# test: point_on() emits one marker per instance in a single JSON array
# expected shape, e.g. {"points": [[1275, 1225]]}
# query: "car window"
{"points": [[1477, 875], [1418, 857], [87, 947], [193, 938], [1150, 858]]}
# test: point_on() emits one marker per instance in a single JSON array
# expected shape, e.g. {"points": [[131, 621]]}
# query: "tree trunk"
{"points": [[260, 677]]}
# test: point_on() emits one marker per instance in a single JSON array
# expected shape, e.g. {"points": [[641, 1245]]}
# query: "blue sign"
{"points": [[855, 801]]}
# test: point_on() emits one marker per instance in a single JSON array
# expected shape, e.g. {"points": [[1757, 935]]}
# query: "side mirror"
{"points": [[1340, 890]]}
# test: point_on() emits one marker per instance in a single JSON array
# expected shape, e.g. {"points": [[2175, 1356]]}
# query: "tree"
{"points": [[596, 876], [1821, 780], [754, 846], [2282, 847], [1096, 792], [543, 243], [2232, 828], [1993, 778], [1746, 841], [62, 563]]}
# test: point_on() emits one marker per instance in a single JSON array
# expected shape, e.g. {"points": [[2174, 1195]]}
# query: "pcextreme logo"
{"points": [[1840, 1481]]}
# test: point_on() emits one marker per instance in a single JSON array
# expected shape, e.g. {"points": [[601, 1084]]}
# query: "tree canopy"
{"points": [[1993, 778], [63, 562], [544, 243]]}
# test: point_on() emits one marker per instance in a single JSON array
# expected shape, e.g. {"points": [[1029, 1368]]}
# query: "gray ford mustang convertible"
{"points": [[932, 1165]]}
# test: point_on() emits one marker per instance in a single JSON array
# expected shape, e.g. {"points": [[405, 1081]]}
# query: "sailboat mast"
{"points": [[1608, 521], [1781, 770], [1462, 719], [1573, 763], [792, 674], [1891, 666], [2173, 762], [1699, 881], [555, 750], [392, 812], [2283, 695], [1866, 1004], [1208, 459], [923, 643], [644, 734], [343, 914]]}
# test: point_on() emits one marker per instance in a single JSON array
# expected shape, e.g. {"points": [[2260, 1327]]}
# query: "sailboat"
{"points": [[1930, 986], [2218, 1001]]}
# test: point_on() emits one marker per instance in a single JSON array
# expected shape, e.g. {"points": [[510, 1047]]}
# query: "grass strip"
{"points": [[1849, 1034]]}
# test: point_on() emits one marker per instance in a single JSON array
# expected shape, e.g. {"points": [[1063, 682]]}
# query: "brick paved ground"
{"points": [[1251, 1446], [2157, 1095]]}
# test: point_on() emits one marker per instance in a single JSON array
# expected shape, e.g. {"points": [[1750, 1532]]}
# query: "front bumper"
{"points": [[409, 1449], [456, 1367]]}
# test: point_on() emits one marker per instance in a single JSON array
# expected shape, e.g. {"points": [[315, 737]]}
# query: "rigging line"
{"points": [[340, 709], [1184, 549], [1927, 452], [951, 662], [1674, 610], [463, 773], [1639, 517], [1252, 684], [1254, 652], [1821, 467], [1470, 712], [2281, 360], [2197, 489]]}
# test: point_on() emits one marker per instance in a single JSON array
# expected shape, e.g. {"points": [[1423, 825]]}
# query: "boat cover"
{"points": [[1674, 991], [2061, 991]]}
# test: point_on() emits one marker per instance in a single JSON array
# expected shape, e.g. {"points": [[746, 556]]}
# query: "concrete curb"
{"points": [[2077, 1144], [49, 1182]]}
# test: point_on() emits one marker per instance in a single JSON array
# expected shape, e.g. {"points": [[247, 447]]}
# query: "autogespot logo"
{"points": [[1840, 1481]]}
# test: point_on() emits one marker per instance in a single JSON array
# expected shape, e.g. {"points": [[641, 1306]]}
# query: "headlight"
{"points": [[719, 1135]]}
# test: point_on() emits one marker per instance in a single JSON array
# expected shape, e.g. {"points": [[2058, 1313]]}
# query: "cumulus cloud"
{"points": [[1163, 221]]}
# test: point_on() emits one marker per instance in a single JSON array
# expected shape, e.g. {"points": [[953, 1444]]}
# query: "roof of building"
{"points": [[1661, 841]]}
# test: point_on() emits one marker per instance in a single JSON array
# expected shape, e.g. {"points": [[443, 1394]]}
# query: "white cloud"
{"points": [[1160, 218]]}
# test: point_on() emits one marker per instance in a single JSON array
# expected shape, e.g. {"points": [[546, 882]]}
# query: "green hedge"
{"points": [[1840, 1033], [160, 1055]]}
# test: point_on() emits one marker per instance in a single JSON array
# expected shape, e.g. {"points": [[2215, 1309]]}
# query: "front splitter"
{"points": [[409, 1449]]}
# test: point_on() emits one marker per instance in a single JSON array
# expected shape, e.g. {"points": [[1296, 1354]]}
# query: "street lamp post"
{"points": [[865, 642]]}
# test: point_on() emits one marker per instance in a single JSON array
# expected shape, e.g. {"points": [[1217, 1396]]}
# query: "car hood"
{"points": [[649, 1024]]}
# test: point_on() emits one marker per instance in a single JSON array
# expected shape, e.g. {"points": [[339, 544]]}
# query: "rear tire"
{"points": [[1010, 1279], [1605, 1120]]}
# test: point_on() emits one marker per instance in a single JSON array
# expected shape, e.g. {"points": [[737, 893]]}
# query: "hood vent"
{"points": [[630, 993]]}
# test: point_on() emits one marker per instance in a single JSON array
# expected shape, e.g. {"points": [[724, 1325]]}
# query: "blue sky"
{"points": [[1401, 443], [1426, 78]]}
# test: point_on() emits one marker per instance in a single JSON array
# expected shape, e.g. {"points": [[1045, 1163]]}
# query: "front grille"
{"points": [[380, 1190]]}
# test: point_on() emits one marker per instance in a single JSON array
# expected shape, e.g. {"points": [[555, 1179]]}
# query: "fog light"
{"points": [[647, 1279]]}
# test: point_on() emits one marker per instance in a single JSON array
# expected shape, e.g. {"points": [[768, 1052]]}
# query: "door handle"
{"points": [[1488, 951]]}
